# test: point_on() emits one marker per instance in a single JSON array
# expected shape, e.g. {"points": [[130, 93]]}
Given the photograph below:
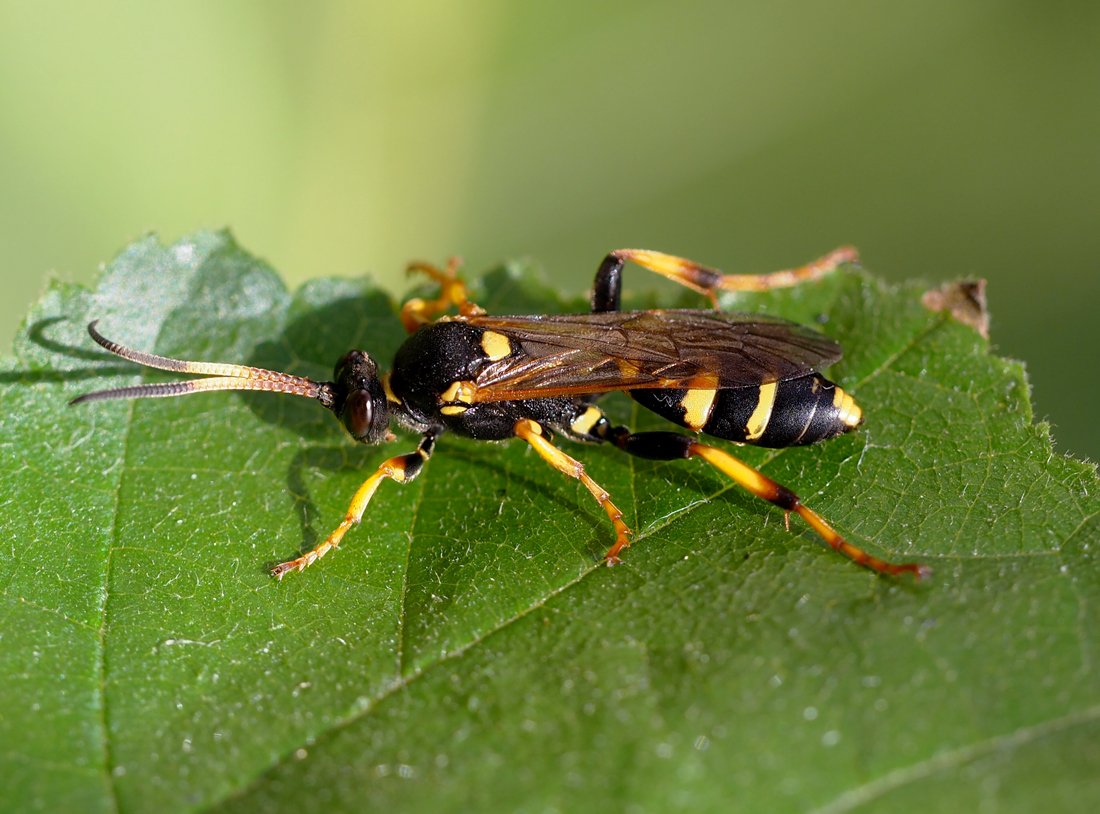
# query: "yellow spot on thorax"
{"points": [[462, 392], [390, 395], [583, 424], [496, 345]]}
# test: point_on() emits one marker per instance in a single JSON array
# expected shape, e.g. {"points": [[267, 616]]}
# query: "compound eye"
{"points": [[358, 413]]}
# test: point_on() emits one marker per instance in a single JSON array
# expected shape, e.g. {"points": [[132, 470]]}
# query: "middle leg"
{"points": [[532, 432]]}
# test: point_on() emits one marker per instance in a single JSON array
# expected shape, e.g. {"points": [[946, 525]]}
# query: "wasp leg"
{"points": [[417, 311], [532, 432], [608, 285], [667, 446], [401, 468]]}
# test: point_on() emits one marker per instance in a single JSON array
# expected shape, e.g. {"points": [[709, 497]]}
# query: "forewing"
{"points": [[597, 353]]}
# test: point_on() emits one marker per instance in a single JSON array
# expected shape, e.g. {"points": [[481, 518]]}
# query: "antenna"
{"points": [[225, 377]]}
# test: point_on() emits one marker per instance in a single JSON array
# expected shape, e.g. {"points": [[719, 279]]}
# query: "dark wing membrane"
{"points": [[573, 354]]}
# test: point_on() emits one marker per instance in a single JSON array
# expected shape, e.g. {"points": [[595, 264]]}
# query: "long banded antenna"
{"points": [[225, 377]]}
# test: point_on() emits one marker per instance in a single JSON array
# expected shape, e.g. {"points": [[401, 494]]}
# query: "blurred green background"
{"points": [[944, 139]]}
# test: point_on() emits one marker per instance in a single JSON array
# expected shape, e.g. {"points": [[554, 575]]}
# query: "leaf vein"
{"points": [[954, 758]]}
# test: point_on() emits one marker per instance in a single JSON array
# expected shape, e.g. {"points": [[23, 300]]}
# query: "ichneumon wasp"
{"points": [[745, 378]]}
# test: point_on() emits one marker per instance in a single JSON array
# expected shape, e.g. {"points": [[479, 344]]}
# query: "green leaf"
{"points": [[465, 650]]}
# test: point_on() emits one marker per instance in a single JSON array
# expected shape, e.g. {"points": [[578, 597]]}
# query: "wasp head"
{"points": [[358, 398]]}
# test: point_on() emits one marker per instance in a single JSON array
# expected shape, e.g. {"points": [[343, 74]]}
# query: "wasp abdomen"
{"points": [[789, 413]]}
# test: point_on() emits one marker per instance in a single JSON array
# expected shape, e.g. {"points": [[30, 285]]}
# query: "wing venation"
{"points": [[576, 354]]}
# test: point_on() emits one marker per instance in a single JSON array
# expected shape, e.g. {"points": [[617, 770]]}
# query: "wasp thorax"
{"points": [[359, 398]]}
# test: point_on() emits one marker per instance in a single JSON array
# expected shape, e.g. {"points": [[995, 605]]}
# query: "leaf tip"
{"points": [[964, 300]]}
